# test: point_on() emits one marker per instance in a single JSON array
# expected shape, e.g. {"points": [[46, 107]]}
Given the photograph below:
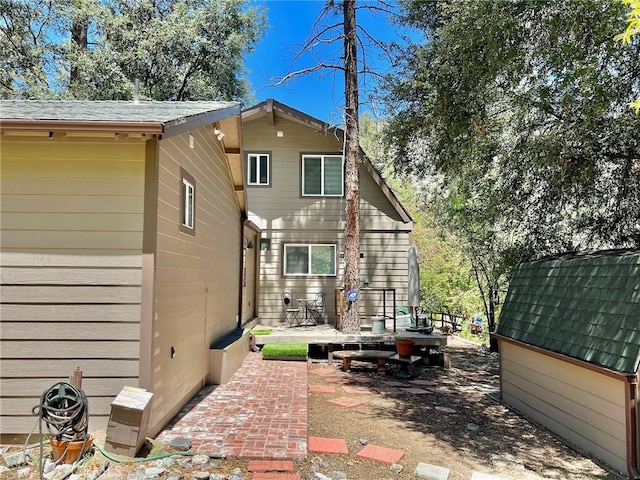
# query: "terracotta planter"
{"points": [[65, 451], [404, 347]]}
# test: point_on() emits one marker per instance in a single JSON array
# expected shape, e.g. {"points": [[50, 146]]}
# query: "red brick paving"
{"points": [[260, 413], [328, 445], [380, 454]]}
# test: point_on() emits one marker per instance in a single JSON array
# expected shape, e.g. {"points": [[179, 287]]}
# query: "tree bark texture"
{"points": [[351, 310], [79, 42]]}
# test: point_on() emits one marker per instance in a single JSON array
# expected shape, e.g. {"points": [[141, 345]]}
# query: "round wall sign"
{"points": [[353, 295]]}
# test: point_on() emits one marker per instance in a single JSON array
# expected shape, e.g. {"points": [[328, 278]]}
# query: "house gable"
{"points": [[585, 306], [273, 112]]}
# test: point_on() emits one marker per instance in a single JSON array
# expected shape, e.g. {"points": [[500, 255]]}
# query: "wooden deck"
{"points": [[327, 335]]}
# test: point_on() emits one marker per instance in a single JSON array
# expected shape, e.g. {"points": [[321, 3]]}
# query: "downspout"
{"points": [[631, 409]]}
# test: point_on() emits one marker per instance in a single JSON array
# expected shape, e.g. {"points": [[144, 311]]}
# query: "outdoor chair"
{"points": [[290, 313], [316, 309]]}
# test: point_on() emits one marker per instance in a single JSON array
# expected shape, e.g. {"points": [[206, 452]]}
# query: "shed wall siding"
{"points": [[70, 260], [197, 277], [580, 405], [287, 217]]}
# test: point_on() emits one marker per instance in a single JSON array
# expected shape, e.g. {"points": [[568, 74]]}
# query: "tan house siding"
{"points": [[384, 270], [194, 273], [285, 216], [579, 404], [70, 259]]}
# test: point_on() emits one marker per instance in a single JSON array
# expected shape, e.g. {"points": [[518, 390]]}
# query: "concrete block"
{"points": [[426, 471], [128, 422]]}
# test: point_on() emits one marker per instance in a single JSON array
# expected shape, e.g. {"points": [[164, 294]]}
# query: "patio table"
{"points": [[306, 303]]}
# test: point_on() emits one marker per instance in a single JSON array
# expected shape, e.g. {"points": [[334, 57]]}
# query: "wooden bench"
{"points": [[380, 356]]}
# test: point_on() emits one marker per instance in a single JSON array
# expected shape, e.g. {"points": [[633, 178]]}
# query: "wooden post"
{"points": [[75, 378]]}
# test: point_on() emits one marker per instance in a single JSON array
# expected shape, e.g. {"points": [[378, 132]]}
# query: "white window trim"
{"points": [[188, 220], [257, 157], [309, 245], [188, 199], [322, 184]]}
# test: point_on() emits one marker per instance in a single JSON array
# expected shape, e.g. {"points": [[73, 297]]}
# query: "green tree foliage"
{"points": [[446, 274], [522, 105], [92, 49], [633, 28]]}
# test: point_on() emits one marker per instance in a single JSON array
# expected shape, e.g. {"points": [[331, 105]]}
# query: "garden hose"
{"points": [[65, 410], [155, 457]]}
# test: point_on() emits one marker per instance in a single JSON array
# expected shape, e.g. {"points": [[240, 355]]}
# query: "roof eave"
{"points": [[146, 128], [184, 124], [386, 189], [167, 128]]}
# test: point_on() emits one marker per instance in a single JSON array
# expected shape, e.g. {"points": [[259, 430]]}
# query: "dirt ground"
{"points": [[482, 435], [455, 422]]}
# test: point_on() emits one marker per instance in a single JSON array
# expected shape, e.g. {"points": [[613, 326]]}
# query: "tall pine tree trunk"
{"points": [[351, 310], [79, 41]]}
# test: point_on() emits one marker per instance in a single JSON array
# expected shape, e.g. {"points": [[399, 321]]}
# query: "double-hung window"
{"points": [[313, 259], [258, 169], [322, 175], [187, 203]]}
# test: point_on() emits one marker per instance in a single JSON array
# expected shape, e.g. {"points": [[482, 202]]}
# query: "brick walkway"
{"points": [[260, 413]]}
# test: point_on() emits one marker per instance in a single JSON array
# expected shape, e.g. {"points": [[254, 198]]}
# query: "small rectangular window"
{"points": [[258, 169], [187, 219], [322, 175], [187, 203], [314, 259]]}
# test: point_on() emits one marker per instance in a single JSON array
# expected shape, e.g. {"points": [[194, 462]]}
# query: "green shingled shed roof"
{"points": [[586, 306]]}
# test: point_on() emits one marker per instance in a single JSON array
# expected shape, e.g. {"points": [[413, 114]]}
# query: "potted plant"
{"points": [[404, 346]]}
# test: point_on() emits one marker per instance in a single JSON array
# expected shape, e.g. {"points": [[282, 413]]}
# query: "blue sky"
{"points": [[320, 94]]}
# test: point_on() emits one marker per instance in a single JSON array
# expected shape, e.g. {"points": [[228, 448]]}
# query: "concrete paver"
{"points": [[380, 454], [347, 402], [426, 471], [276, 476], [322, 389], [328, 445], [270, 466]]}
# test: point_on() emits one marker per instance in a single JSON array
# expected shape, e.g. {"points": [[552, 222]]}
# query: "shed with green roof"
{"points": [[569, 336]]}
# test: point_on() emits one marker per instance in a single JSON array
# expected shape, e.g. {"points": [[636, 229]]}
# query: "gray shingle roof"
{"points": [[105, 111], [586, 306]]}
